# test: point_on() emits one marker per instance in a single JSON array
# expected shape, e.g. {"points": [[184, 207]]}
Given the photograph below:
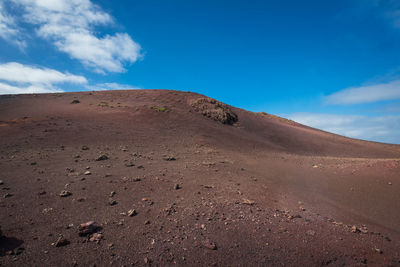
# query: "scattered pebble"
{"points": [[87, 173], [85, 148], [65, 193], [364, 230], [96, 237], [354, 229], [61, 241], [112, 202], [102, 157], [47, 210], [132, 212], [210, 245], [177, 186], [1, 182], [310, 232], [248, 202]]}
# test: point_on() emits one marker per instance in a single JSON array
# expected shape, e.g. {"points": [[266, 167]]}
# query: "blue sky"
{"points": [[333, 65]]}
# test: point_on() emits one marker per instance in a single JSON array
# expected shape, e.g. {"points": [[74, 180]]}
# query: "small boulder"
{"points": [[87, 228], [130, 164], [102, 157]]}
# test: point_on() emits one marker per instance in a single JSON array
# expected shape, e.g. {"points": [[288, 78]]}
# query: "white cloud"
{"points": [[9, 31], [366, 94], [6, 89], [16, 78], [69, 25], [110, 86], [16, 72], [379, 128]]}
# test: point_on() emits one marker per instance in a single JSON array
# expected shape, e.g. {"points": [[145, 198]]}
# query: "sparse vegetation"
{"points": [[276, 118], [103, 104], [159, 109]]}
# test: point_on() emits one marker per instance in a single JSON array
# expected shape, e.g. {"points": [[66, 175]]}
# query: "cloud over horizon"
{"points": [[365, 94], [377, 128], [110, 86], [16, 78]]}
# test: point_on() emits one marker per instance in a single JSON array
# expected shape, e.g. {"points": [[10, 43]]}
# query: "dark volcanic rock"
{"points": [[102, 157], [215, 110]]}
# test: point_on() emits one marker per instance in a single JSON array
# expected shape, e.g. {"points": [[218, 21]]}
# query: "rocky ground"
{"points": [[157, 177]]}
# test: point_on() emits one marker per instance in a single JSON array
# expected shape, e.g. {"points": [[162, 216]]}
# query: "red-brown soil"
{"points": [[263, 191]]}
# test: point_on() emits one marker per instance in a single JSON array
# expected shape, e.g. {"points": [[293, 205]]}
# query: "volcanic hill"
{"points": [[165, 177]]}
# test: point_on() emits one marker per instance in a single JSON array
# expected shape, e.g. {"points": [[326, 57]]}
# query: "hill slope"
{"points": [[210, 183]]}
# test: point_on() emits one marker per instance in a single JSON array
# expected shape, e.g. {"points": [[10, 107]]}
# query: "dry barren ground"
{"points": [[171, 180]]}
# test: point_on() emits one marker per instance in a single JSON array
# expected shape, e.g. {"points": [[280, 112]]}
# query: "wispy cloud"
{"points": [[9, 31], [69, 25], [392, 11], [379, 128], [366, 94], [110, 86], [16, 78]]}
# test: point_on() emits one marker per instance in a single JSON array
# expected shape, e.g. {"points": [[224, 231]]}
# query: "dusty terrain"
{"points": [[170, 179]]}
